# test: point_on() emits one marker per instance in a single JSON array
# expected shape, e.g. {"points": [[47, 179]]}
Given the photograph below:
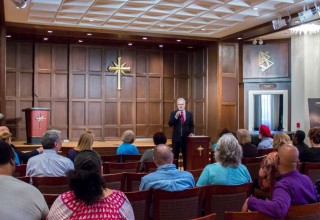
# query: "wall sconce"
{"points": [[20, 3]]}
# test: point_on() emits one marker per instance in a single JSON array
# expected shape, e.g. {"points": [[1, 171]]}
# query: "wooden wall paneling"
{"points": [[241, 89], [52, 84], [229, 85], [19, 86], [2, 64], [199, 91]]}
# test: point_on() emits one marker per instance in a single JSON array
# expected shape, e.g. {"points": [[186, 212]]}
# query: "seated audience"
{"points": [[222, 132], [279, 140], [298, 142], [312, 154], [89, 198], [244, 139], [85, 143], [158, 138], [228, 169], [6, 137], [167, 176], [22, 157], [18, 200], [127, 147], [49, 163], [265, 136], [291, 188]]}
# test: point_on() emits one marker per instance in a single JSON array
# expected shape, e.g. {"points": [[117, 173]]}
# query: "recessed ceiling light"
{"points": [[8, 36], [203, 29], [45, 38], [255, 8], [190, 47], [144, 38], [297, 22], [239, 38], [160, 45], [130, 44], [80, 41], [178, 40], [49, 31], [89, 34], [91, 19]]}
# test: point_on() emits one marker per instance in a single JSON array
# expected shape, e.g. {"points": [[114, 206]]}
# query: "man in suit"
{"points": [[182, 123]]}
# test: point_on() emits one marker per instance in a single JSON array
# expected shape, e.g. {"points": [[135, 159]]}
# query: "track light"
{"points": [[260, 41], [254, 42], [20, 3], [307, 13], [280, 22]]}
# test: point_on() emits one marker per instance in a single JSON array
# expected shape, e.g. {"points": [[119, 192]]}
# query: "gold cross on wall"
{"points": [[40, 118], [119, 69]]}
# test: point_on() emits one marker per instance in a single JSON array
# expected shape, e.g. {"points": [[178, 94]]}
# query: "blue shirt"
{"points": [[16, 158], [167, 177], [49, 163], [128, 149], [216, 174], [291, 188], [266, 143]]}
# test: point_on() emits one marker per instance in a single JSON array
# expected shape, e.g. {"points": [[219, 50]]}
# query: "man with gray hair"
{"points": [[167, 176], [50, 163], [182, 123]]}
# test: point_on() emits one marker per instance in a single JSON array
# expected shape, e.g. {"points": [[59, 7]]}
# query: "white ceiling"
{"points": [[200, 18]]}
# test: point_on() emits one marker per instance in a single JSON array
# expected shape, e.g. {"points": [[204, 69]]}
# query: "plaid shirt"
{"points": [[115, 206]]}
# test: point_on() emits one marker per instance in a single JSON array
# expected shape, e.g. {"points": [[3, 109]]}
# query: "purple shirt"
{"points": [[291, 188]]}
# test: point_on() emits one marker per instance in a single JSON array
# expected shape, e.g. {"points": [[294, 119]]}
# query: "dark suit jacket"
{"points": [[187, 127], [24, 157]]}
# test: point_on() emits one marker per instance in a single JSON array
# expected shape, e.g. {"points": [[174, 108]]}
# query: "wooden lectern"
{"points": [[198, 149], [36, 123]]}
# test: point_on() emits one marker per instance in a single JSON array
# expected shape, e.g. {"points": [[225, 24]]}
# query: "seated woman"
{"points": [[6, 137], [222, 132], [265, 136], [312, 154], [228, 169], [279, 140], [89, 198], [244, 139], [127, 147], [85, 143]]}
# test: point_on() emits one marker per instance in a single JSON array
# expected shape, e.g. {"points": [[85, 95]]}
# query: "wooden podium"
{"points": [[198, 149], [36, 123]]}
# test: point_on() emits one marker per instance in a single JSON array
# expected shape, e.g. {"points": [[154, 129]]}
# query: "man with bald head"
{"points": [[291, 188], [167, 176]]}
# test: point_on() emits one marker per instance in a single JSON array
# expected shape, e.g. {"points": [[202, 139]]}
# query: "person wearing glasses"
{"points": [[291, 188], [49, 163]]}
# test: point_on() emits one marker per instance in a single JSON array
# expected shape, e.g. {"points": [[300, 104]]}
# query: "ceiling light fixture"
{"points": [[89, 34], [178, 40], [160, 45], [260, 41], [49, 31], [129, 44], [281, 22], [254, 42], [91, 20], [239, 38], [45, 38], [145, 38], [255, 8], [8, 36], [80, 41], [20, 3], [307, 13]]}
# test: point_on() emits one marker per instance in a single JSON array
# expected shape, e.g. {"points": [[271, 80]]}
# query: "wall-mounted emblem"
{"points": [[264, 61], [119, 69]]}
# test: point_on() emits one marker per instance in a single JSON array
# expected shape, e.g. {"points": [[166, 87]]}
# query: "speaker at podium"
{"points": [[36, 123]]}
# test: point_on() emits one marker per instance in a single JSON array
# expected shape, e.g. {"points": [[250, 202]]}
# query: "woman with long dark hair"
{"points": [[89, 198]]}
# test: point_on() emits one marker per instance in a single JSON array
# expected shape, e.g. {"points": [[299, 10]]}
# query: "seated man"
{"points": [[291, 188], [49, 163], [298, 142], [18, 200], [23, 157], [265, 136], [167, 176]]}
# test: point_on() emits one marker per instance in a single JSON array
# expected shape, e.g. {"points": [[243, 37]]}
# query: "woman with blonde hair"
{"points": [[127, 147], [279, 140], [85, 143], [244, 139]]}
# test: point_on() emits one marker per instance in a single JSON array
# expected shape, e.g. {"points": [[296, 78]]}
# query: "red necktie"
{"points": [[182, 117]]}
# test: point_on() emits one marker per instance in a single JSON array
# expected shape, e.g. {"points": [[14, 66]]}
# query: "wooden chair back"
{"points": [[206, 217], [115, 181], [24, 178], [196, 174], [20, 170], [111, 158], [304, 212], [50, 198], [312, 170], [140, 202], [180, 205], [221, 198], [130, 158], [263, 152], [110, 167], [133, 181], [245, 216], [253, 166], [51, 185]]}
